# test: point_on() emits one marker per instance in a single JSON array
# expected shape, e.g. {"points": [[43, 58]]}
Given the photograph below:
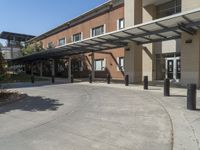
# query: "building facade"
{"points": [[168, 59]]}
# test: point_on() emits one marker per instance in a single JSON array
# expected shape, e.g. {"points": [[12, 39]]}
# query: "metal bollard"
{"points": [[127, 80], [72, 78], [108, 78], [146, 83], [90, 78], [167, 87], [191, 96], [52, 79], [32, 79]]}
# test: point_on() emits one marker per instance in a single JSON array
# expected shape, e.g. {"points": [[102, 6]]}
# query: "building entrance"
{"points": [[173, 68]]}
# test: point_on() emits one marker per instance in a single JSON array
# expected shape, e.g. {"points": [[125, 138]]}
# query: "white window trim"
{"points": [[104, 30], [103, 67], [118, 65], [72, 37], [48, 44], [118, 23], [61, 39]]}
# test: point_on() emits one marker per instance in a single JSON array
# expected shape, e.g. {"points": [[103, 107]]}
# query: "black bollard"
{"points": [[72, 78], [146, 83], [52, 79], [108, 78], [191, 96], [127, 80], [32, 79], [90, 78], [167, 87]]}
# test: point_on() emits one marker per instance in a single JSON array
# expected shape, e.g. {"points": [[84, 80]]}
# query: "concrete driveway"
{"points": [[83, 117]]}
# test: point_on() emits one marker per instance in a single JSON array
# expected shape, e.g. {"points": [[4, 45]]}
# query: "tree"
{"points": [[2, 64], [31, 48], [1, 45]]}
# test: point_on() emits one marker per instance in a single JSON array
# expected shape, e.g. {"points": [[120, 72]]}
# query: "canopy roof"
{"points": [[16, 36], [163, 29]]}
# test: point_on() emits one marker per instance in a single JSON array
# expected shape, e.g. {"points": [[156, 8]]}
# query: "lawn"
{"points": [[21, 77]]}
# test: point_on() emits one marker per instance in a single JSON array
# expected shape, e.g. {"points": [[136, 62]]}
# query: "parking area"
{"points": [[85, 116]]}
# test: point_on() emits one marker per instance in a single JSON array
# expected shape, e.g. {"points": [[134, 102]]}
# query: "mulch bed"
{"points": [[7, 97]]}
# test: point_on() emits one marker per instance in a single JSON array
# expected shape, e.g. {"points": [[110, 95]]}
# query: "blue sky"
{"points": [[38, 16]]}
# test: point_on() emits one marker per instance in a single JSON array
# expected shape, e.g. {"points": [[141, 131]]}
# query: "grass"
{"points": [[21, 77]]}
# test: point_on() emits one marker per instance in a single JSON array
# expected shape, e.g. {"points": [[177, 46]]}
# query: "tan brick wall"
{"points": [[188, 5]]}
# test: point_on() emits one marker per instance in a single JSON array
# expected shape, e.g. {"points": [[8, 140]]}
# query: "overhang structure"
{"points": [[163, 29]]}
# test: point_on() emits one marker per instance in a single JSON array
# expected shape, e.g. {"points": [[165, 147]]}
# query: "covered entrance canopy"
{"points": [[167, 28]]}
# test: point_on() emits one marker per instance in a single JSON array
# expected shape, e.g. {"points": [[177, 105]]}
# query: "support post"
{"points": [[108, 78], [127, 80], [167, 87], [146, 83], [53, 71], [70, 70], [90, 78], [191, 96], [32, 74], [93, 67], [41, 69]]}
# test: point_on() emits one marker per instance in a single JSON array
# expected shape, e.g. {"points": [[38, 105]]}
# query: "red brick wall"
{"points": [[110, 19]]}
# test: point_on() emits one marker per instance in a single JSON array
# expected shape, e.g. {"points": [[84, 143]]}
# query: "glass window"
{"points": [[77, 37], [169, 8], [61, 42], [50, 45], [121, 64], [98, 31], [77, 66], [121, 24], [100, 65]]}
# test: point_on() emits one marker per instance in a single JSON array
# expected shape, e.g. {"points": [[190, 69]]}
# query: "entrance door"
{"points": [[178, 69], [173, 68], [170, 69]]}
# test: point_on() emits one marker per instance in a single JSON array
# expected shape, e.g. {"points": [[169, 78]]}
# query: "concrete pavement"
{"points": [[98, 116]]}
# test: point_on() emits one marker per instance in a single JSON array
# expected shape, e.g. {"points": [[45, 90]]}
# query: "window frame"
{"points": [[94, 28], [49, 45], [103, 64], [119, 65], [81, 36], [64, 38], [118, 23]]}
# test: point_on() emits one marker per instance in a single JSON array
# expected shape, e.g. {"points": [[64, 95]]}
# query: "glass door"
{"points": [[173, 68], [170, 69]]}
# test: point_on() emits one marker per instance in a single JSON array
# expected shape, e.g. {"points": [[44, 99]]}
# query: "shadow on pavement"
{"points": [[178, 96], [32, 104]]}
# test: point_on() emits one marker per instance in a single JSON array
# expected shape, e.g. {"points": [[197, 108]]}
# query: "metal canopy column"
{"points": [[41, 69], [93, 67], [53, 68], [69, 69]]}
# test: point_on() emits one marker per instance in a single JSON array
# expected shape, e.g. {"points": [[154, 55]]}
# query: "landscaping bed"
{"points": [[14, 78], [7, 97]]}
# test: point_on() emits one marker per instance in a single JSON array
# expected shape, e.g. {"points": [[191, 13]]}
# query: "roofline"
{"points": [[70, 21], [63, 48], [136, 26]]}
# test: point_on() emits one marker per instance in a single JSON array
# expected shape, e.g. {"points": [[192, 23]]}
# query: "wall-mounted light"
{"points": [[127, 49]]}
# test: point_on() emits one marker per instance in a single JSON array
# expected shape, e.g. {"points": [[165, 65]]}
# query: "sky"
{"points": [[35, 17]]}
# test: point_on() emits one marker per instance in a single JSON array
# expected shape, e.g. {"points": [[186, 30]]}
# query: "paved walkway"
{"points": [[99, 116]]}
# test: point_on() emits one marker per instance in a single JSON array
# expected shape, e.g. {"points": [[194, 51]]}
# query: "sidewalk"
{"points": [[186, 124]]}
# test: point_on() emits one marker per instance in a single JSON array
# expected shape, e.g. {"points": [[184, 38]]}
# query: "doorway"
{"points": [[173, 68]]}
